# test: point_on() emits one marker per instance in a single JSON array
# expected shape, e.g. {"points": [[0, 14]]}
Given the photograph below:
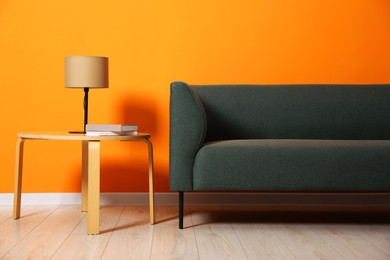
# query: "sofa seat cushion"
{"points": [[292, 164]]}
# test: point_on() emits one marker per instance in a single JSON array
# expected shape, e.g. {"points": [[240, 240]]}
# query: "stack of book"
{"points": [[110, 129]]}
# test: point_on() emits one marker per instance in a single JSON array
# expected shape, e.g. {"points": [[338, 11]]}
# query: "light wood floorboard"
{"points": [[167, 231], [12, 232], [4, 214], [80, 246], [215, 237], [211, 232], [349, 242], [133, 235], [44, 240]]}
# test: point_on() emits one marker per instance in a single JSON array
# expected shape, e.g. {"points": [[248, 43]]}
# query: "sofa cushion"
{"points": [[293, 164]]}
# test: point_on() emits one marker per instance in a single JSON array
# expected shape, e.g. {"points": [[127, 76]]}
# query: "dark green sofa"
{"points": [[279, 137]]}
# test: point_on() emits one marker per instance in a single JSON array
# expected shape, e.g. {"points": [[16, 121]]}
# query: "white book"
{"points": [[101, 133], [111, 127]]}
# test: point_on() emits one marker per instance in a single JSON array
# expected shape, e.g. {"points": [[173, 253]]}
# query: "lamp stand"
{"points": [[86, 90], [85, 105]]}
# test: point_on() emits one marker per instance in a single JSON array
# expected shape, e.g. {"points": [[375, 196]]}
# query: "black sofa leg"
{"points": [[181, 209]]}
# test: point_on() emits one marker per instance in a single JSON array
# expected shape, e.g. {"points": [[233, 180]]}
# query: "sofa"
{"points": [[279, 138]]}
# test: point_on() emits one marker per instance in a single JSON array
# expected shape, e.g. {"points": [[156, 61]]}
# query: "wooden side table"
{"points": [[90, 191]]}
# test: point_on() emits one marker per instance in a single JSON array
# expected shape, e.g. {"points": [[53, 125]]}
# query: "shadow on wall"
{"points": [[128, 171], [140, 110], [124, 165]]}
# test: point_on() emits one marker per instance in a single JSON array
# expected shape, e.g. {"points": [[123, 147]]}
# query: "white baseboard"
{"points": [[211, 198]]}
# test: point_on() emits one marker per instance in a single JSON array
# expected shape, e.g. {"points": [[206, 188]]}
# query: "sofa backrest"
{"points": [[296, 111]]}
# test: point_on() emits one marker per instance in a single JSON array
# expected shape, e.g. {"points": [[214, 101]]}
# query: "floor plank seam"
{"points": [[112, 232], [152, 244], [379, 248], [193, 231], [324, 240], [5, 219], [240, 242], [32, 230], [283, 243], [70, 233]]}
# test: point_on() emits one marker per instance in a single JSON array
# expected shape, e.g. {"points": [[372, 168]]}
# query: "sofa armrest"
{"points": [[187, 134]]}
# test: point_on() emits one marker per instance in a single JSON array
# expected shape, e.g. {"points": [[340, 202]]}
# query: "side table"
{"points": [[90, 190]]}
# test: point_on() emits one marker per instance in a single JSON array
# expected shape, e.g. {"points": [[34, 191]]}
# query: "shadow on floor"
{"points": [[290, 214]]}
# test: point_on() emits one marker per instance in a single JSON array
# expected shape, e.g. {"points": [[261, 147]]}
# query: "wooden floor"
{"points": [[211, 232]]}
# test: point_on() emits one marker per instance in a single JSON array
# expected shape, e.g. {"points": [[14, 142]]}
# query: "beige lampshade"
{"points": [[86, 72]]}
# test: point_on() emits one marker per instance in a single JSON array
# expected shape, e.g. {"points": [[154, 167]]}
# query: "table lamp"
{"points": [[86, 72]]}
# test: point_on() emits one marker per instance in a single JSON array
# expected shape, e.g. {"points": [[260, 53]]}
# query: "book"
{"points": [[110, 127], [101, 133]]}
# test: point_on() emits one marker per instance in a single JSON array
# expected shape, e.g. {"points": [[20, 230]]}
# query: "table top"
{"points": [[80, 136]]}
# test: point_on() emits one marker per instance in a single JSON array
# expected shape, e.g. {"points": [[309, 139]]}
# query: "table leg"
{"points": [[93, 187], [18, 178], [84, 177], [151, 182]]}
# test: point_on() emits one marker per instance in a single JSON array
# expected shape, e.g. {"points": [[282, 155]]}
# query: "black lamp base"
{"points": [[85, 104]]}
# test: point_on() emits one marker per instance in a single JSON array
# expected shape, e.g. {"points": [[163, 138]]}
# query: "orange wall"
{"points": [[151, 43]]}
